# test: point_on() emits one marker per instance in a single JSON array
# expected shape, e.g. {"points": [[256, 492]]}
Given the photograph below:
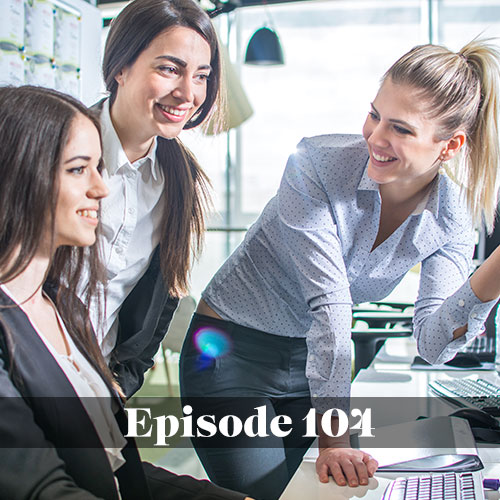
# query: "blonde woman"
{"points": [[352, 215]]}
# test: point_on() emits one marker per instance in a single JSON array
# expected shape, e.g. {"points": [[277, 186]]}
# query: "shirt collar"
{"points": [[430, 202], [113, 153], [367, 184]]}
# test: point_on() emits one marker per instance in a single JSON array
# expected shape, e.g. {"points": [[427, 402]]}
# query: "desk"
{"points": [[391, 366]]}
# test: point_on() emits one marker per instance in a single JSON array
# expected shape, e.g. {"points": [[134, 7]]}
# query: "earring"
{"points": [[442, 165]]}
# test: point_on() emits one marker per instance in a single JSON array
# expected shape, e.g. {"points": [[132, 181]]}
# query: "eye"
{"points": [[204, 77], [373, 115], [401, 130], [170, 70], [100, 166], [76, 170]]}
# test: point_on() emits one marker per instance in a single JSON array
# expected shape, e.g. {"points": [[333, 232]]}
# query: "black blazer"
{"points": [[48, 445], [143, 321], [144, 316]]}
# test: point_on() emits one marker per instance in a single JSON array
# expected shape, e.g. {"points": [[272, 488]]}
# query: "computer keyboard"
{"points": [[469, 393], [447, 486], [483, 347]]}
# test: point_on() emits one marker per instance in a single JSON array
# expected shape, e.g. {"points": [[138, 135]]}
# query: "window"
{"points": [[335, 54]]}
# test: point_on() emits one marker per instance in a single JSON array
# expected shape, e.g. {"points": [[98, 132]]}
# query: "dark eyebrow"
{"points": [[181, 62], [397, 122], [79, 157]]}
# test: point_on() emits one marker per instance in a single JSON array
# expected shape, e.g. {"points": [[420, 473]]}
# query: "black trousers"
{"points": [[244, 369]]}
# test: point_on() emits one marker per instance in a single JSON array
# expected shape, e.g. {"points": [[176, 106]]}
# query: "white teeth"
{"points": [[87, 213], [382, 158], [172, 111]]}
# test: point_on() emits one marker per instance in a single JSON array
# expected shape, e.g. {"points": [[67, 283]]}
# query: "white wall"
{"points": [[30, 53], [90, 50]]}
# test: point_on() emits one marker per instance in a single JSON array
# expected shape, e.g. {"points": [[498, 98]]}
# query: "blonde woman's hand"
{"points": [[346, 466]]}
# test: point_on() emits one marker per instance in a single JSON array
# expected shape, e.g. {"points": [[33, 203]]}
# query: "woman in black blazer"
{"points": [[162, 72], [62, 422]]}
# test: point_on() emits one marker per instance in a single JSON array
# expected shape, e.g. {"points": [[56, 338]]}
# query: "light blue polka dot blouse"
{"points": [[308, 258]]}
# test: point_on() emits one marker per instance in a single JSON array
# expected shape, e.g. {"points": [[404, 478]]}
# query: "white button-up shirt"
{"points": [[130, 217]]}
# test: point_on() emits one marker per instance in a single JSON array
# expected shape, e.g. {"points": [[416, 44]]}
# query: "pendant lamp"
{"points": [[264, 48]]}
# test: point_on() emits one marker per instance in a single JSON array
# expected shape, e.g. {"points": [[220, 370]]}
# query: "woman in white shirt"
{"points": [[161, 67], [62, 423]]}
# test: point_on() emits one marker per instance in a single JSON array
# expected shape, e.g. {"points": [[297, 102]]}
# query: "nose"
{"points": [[184, 89], [377, 135], [97, 189]]}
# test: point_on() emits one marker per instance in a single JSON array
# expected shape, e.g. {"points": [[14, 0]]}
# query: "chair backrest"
{"points": [[179, 325]]}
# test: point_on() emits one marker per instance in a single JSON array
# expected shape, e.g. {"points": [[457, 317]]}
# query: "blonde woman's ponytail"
{"points": [[484, 148]]}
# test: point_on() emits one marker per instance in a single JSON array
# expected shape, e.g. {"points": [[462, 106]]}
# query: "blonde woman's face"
{"points": [[401, 138]]}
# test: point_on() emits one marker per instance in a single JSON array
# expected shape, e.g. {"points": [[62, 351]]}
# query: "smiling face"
{"points": [[80, 186], [401, 138], [164, 87]]}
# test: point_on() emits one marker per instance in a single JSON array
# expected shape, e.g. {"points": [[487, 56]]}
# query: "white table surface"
{"points": [[388, 375]]}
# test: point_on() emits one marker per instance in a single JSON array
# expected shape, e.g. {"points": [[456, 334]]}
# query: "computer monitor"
{"points": [[485, 345]]}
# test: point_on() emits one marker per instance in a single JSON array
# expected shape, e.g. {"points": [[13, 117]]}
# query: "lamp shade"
{"points": [[264, 48], [236, 107]]}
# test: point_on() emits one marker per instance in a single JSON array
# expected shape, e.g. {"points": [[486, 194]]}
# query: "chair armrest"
{"points": [[368, 342], [379, 319]]}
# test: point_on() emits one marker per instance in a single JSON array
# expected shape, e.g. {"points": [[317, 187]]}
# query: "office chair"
{"points": [[382, 324], [379, 305], [173, 340]]}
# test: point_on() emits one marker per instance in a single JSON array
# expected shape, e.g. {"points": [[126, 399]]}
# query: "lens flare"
{"points": [[211, 342]]}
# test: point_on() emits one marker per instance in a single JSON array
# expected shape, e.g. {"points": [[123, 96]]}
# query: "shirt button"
{"points": [[130, 175], [315, 395], [119, 250], [131, 211], [311, 357], [461, 302], [473, 315]]}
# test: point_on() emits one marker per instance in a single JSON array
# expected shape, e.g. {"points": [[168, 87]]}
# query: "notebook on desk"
{"points": [[426, 438], [417, 440], [453, 475], [436, 484]]}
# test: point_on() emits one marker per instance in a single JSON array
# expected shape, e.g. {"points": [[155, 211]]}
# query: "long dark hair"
{"points": [[186, 185], [36, 124]]}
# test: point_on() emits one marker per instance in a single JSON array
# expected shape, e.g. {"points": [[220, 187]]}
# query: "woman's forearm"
{"points": [[485, 282]]}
